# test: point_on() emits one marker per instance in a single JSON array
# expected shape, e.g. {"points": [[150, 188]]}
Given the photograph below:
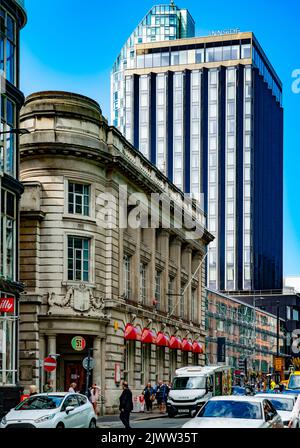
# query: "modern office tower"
{"points": [[207, 111], [12, 19], [161, 23]]}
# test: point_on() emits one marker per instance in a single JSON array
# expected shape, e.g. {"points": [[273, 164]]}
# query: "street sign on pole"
{"points": [[50, 364], [88, 363]]}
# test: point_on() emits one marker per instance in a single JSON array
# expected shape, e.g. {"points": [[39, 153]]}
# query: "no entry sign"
{"points": [[50, 364]]}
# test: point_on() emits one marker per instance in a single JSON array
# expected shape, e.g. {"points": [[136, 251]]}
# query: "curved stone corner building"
{"points": [[12, 19], [117, 288]]}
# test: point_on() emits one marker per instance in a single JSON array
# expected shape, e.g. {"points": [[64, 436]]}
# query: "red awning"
{"points": [[187, 346], [175, 343], [131, 333], [197, 348], [162, 340], [148, 337]]}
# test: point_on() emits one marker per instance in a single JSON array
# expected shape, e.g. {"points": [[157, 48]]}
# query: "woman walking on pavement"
{"points": [[149, 396]]}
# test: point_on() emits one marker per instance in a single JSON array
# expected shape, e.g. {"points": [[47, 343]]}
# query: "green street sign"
{"points": [[78, 343]]}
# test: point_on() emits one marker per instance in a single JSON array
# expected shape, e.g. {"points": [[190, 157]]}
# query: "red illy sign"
{"points": [[7, 305]]}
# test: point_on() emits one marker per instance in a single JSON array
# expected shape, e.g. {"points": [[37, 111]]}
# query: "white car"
{"points": [[235, 411], [53, 410], [284, 404]]}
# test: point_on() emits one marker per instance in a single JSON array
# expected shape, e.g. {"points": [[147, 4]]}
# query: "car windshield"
{"points": [[294, 382], [282, 404], [40, 402], [182, 383], [232, 409]]}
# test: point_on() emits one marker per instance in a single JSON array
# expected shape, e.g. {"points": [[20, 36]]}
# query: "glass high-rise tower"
{"points": [[208, 112], [161, 23]]}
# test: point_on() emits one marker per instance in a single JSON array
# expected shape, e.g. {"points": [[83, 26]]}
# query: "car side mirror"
{"points": [[69, 409], [269, 416]]}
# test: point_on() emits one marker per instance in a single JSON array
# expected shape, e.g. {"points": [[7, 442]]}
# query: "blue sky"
{"points": [[71, 45]]}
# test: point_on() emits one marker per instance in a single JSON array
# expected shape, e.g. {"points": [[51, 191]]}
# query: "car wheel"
{"points": [[93, 424], [171, 414], [60, 426]]}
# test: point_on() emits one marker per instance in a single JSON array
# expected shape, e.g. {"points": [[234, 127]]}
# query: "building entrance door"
{"points": [[75, 373]]}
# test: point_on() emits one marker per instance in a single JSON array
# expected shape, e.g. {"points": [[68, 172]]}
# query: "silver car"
{"points": [[283, 403], [53, 410], [236, 411]]}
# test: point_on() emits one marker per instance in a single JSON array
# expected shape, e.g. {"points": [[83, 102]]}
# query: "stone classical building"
{"points": [[136, 295]]}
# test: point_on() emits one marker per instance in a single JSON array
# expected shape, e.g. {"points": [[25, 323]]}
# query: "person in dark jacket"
{"points": [[149, 395], [126, 405]]}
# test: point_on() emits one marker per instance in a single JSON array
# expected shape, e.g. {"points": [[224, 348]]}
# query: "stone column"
{"points": [[42, 356], [149, 241], [52, 351], [187, 265], [98, 363], [163, 249], [135, 268], [175, 254]]}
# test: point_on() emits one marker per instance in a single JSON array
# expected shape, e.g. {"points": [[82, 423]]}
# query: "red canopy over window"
{"points": [[175, 343], [131, 333], [187, 346], [197, 348], [162, 340], [148, 337]]}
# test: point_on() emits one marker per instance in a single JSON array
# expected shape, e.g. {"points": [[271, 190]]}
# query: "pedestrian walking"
{"points": [[295, 412], [126, 405], [72, 388], [149, 396], [94, 397], [48, 387], [161, 395]]}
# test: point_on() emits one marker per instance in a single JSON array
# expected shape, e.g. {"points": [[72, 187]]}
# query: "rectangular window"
{"points": [[158, 288], [170, 296], [78, 259], [126, 276], [8, 235], [143, 283], [7, 139], [79, 199]]}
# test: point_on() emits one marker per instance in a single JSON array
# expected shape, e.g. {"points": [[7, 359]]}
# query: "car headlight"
{"points": [[45, 418], [3, 421]]}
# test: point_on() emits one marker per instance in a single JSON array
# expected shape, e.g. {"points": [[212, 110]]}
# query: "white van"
{"points": [[193, 386]]}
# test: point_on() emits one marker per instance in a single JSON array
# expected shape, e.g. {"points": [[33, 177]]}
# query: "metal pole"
{"points": [[188, 284]]}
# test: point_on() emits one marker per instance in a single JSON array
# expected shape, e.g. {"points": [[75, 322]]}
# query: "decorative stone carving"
{"points": [[78, 299]]}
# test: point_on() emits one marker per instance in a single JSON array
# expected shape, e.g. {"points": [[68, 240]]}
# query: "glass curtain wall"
{"points": [[213, 106]]}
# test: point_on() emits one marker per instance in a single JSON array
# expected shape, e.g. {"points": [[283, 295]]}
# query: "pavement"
{"points": [[108, 421]]}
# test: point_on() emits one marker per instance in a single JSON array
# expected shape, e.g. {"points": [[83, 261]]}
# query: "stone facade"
{"points": [[70, 145]]}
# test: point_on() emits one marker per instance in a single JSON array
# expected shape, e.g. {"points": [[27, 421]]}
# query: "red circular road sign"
{"points": [[50, 364]]}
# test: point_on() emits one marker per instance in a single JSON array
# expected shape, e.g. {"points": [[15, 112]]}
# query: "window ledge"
{"points": [[83, 218]]}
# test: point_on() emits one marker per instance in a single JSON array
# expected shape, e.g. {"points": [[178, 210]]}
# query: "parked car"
{"points": [[53, 410], [236, 412], [284, 404]]}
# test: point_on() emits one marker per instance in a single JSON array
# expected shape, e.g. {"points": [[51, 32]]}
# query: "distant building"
{"points": [[136, 295], [208, 112], [250, 333], [12, 19]]}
